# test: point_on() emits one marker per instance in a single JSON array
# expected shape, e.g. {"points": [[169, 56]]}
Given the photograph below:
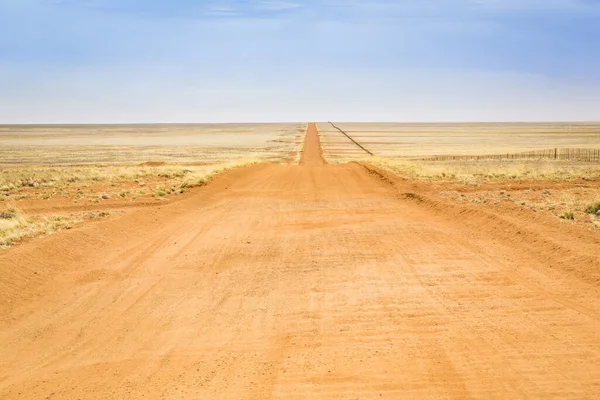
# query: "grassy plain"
{"points": [[412, 140], [52, 177], [487, 171], [563, 189], [172, 143]]}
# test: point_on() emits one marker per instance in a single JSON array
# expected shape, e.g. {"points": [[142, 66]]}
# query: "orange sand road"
{"points": [[312, 153], [292, 282]]}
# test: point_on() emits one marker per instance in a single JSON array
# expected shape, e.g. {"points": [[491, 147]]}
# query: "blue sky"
{"points": [[286, 60]]}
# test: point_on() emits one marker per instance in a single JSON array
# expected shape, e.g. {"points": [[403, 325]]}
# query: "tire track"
{"points": [[293, 282]]}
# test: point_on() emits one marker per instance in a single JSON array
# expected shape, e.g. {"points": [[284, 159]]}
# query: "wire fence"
{"points": [[585, 155]]}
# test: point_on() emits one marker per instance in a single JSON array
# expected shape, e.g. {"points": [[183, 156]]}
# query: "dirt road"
{"points": [[293, 282], [312, 153]]}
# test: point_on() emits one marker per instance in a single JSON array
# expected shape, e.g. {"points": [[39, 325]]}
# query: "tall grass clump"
{"points": [[593, 208], [568, 215], [15, 225]]}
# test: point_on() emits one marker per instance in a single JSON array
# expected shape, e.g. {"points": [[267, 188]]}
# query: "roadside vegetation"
{"points": [[94, 185], [477, 172], [593, 208], [568, 191], [15, 225]]}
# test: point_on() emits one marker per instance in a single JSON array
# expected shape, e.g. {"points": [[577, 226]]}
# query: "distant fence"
{"points": [[351, 139], [586, 155]]}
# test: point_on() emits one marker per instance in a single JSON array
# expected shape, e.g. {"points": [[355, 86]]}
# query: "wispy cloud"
{"points": [[326, 8], [184, 8]]}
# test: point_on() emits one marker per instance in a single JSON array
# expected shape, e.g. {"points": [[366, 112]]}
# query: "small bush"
{"points": [[593, 208], [568, 215], [8, 214]]}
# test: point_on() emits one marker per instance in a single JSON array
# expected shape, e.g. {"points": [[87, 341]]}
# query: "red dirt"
{"points": [[312, 153], [304, 281]]}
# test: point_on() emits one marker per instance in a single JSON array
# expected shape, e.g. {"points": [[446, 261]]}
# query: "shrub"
{"points": [[8, 214], [568, 215], [593, 208]]}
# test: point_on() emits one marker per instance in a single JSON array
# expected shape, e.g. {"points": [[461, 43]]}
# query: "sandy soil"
{"points": [[304, 281]]}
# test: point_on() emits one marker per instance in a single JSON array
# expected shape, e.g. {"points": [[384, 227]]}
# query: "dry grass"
{"points": [[565, 190], [475, 172], [15, 225], [569, 203], [94, 184], [23, 181], [430, 139], [593, 208], [172, 143]]}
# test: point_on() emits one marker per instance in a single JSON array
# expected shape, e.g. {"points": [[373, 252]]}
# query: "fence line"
{"points": [[586, 155], [351, 138]]}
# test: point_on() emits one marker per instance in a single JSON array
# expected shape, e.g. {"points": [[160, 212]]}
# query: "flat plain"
{"points": [[429, 139], [205, 143], [306, 276], [53, 177]]}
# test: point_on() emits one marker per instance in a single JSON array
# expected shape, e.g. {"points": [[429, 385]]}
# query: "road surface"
{"points": [[310, 281]]}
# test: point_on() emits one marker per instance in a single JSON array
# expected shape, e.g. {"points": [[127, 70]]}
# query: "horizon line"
{"points": [[296, 122]]}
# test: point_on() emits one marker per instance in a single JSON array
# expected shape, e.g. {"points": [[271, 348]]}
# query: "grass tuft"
{"points": [[11, 213], [593, 208], [568, 215], [15, 225]]}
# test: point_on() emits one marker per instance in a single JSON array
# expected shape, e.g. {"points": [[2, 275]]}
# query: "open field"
{"points": [[414, 140], [51, 173], [384, 278], [485, 171], [197, 143]]}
